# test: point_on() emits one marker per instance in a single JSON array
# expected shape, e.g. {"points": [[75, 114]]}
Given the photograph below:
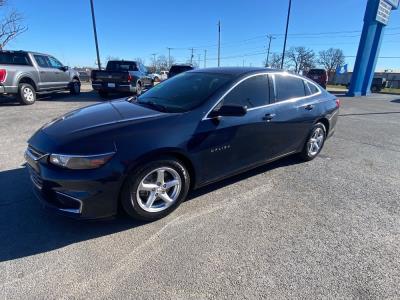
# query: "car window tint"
{"points": [[42, 61], [9, 58], [54, 63], [307, 89], [288, 87], [252, 92], [185, 91], [313, 88]]}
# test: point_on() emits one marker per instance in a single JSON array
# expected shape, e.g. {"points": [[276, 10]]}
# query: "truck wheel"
{"points": [[75, 87], [26, 94], [103, 94], [138, 88]]}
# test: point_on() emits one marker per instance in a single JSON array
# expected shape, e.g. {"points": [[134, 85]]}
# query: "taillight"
{"points": [[129, 77], [3, 75], [337, 103]]}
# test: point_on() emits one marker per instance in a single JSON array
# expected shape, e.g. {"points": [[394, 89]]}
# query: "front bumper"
{"points": [[80, 194]]}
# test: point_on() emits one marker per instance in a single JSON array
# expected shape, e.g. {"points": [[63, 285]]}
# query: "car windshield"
{"points": [[183, 92]]}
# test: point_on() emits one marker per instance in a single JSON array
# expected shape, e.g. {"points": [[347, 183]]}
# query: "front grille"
{"points": [[35, 177]]}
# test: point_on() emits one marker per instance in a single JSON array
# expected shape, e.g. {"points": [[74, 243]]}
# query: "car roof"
{"points": [[23, 51], [236, 71]]}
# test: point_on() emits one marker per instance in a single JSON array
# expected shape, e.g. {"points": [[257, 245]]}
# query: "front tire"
{"points": [[26, 94], [314, 143], [155, 189], [75, 87]]}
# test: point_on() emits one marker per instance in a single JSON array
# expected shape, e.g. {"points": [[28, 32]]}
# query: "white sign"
{"points": [[383, 14]]}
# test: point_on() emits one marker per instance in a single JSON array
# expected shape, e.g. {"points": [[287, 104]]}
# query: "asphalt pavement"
{"points": [[329, 228]]}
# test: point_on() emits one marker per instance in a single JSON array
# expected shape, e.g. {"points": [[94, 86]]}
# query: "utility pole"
{"points": [[154, 61], [199, 58], [219, 43], [95, 35], [270, 37], [205, 58], [191, 55], [169, 57], [286, 33]]}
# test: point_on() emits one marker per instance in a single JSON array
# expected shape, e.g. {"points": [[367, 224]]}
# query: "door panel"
{"points": [[225, 146], [47, 74], [62, 77], [295, 114]]}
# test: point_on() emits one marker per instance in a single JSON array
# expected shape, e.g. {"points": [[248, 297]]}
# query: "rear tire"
{"points": [[145, 193], [314, 143], [103, 94], [75, 87], [26, 94]]}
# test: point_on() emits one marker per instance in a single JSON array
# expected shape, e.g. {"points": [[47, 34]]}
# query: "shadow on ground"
{"points": [[27, 229]]}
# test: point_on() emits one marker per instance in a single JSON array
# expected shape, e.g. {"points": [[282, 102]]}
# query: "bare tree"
{"points": [[10, 26], [331, 59], [301, 59], [274, 61], [140, 60]]}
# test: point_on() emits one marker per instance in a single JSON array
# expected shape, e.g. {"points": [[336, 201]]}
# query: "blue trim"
{"points": [[368, 51]]}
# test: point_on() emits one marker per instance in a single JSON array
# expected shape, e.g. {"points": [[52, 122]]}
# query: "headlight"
{"points": [[83, 162]]}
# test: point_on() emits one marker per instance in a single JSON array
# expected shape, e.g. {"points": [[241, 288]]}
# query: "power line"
{"points": [[291, 35]]}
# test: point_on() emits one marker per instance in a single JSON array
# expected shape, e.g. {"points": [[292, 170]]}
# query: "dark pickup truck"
{"points": [[121, 76]]}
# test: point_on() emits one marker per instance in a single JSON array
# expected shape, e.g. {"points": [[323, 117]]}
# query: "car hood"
{"points": [[96, 117]]}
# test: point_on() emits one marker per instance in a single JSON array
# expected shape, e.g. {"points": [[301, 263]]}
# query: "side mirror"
{"points": [[229, 111], [64, 68]]}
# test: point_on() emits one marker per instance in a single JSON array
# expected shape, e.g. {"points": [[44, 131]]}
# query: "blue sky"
{"points": [[129, 29]]}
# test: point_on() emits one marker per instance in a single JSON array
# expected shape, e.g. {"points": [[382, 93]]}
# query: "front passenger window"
{"points": [[54, 63], [253, 92]]}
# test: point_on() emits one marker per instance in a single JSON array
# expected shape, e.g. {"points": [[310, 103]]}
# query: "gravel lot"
{"points": [[327, 228]]}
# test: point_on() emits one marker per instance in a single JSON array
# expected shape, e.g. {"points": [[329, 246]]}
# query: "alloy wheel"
{"points": [[159, 189], [28, 94], [316, 141]]}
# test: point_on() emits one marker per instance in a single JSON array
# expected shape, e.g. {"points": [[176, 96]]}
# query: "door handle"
{"points": [[309, 107], [42, 72], [269, 117]]}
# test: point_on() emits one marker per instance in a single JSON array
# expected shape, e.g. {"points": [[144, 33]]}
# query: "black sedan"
{"points": [[196, 128]]}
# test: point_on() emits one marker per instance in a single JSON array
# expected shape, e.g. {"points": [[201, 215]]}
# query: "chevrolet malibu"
{"points": [[145, 153]]}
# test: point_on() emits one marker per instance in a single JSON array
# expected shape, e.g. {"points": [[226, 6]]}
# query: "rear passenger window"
{"points": [[252, 92], [288, 87], [313, 88]]}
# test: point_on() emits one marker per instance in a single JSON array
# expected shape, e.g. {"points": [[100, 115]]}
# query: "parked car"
{"points": [[156, 77], [121, 76], [177, 69], [147, 152], [320, 76], [84, 76], [26, 74], [378, 84], [164, 75]]}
